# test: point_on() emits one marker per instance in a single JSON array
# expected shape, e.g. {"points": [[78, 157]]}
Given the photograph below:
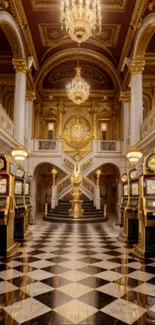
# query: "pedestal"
{"points": [[7, 245], [76, 210], [130, 233]]}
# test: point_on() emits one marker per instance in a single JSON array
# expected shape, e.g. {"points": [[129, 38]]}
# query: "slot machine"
{"points": [[28, 202], [7, 172], [20, 207], [132, 208], [124, 200], [146, 210]]}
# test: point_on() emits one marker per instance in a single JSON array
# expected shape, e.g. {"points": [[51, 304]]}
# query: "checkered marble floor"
{"points": [[76, 274]]}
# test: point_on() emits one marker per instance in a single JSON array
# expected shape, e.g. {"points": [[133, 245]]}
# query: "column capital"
{"points": [[20, 65], [125, 96], [94, 107], [30, 95], [137, 66]]}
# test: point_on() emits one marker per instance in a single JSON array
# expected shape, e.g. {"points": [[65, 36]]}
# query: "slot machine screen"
{"points": [[125, 190], [3, 186], [18, 188], [27, 189], [150, 186], [135, 189]]}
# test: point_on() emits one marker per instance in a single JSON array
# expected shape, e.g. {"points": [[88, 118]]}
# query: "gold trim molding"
{"points": [[139, 9], [125, 96], [19, 65], [108, 5], [30, 95], [137, 66]]}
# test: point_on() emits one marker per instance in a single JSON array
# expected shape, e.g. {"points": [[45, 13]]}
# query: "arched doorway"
{"points": [[43, 183], [109, 186]]}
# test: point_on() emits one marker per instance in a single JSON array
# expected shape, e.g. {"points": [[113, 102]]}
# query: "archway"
{"points": [[144, 35], [12, 32], [109, 192], [43, 185]]}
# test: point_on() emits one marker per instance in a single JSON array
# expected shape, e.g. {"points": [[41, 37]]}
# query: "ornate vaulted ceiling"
{"points": [[55, 55]]}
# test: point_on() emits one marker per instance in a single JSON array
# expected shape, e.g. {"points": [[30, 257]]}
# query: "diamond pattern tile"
{"points": [[76, 274]]}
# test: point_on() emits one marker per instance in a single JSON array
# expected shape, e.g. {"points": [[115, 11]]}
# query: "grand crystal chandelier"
{"points": [[81, 18], [78, 89]]}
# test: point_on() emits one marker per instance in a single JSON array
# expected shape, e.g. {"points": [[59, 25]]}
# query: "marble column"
{"points": [[20, 67], [30, 97], [125, 97], [136, 112]]}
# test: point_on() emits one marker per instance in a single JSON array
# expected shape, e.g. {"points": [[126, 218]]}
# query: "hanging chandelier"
{"points": [[78, 89], [81, 18]]}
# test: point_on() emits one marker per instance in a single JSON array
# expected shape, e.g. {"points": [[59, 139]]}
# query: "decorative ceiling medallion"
{"points": [[52, 35], [77, 132], [107, 5]]}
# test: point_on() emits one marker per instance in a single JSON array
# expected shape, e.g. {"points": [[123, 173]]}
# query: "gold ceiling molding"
{"points": [[52, 35], [139, 9], [87, 55], [107, 5], [18, 13], [150, 59]]}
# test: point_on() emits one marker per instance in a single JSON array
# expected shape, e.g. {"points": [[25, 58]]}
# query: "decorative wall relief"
{"points": [[77, 132]]}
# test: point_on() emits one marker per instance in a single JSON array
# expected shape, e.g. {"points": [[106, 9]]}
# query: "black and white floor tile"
{"points": [[76, 274]]}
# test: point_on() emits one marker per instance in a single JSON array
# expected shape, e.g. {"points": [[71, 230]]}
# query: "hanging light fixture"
{"points": [[19, 154], [81, 18], [134, 157], [78, 89]]}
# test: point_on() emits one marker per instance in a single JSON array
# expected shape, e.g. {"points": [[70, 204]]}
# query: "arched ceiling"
{"points": [[39, 21]]}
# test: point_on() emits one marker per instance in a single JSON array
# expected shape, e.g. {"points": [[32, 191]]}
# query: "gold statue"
{"points": [[76, 178]]}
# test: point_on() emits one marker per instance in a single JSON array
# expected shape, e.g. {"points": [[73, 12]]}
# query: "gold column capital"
{"points": [[125, 96], [4, 4], [30, 95], [137, 66], [20, 65], [61, 107]]}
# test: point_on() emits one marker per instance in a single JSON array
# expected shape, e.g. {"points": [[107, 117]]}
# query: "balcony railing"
{"points": [[149, 124], [109, 146], [5, 122], [45, 145]]}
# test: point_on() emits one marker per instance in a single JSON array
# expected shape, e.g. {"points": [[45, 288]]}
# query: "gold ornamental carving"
{"points": [[77, 132], [4, 4], [20, 65], [125, 96], [30, 95], [137, 66]]}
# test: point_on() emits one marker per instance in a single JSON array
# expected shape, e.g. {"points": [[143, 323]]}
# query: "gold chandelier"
{"points": [[81, 18], [78, 89]]}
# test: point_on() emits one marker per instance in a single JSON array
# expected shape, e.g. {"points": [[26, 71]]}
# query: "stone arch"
{"points": [[88, 55], [12, 32], [144, 35]]}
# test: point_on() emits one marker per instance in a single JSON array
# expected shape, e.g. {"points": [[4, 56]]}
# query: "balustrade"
{"points": [[5, 122], [45, 145]]}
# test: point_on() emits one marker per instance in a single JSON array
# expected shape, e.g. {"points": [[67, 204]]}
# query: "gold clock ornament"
{"points": [[77, 132]]}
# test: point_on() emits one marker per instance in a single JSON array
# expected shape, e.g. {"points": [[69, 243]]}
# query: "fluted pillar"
{"points": [[62, 110], [30, 97], [20, 67], [93, 111], [125, 97], [136, 113]]}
